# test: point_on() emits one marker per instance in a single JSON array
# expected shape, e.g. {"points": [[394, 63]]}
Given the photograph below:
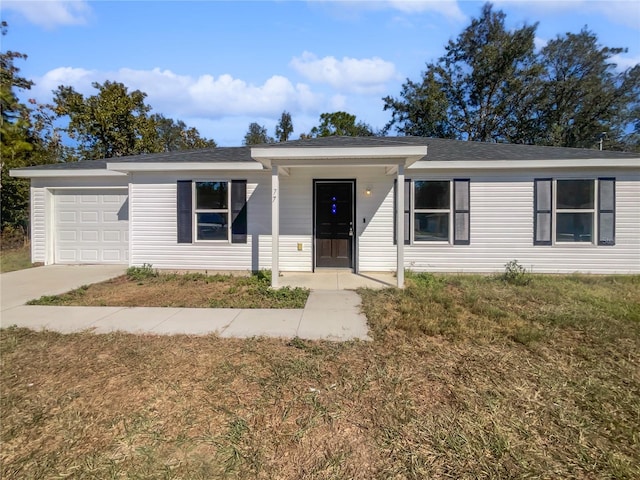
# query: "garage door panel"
{"points": [[67, 235], [68, 217], [89, 236], [90, 227], [89, 217]]}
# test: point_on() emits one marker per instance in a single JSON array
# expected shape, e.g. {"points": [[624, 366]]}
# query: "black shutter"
{"points": [[239, 211], [461, 217], [542, 215], [407, 211], [606, 211], [185, 211]]}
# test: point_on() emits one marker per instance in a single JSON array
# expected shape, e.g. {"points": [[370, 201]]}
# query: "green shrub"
{"points": [[516, 274], [141, 273]]}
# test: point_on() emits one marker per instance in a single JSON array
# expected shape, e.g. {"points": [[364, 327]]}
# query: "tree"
{"points": [[256, 135], [477, 90], [17, 142], [340, 124], [175, 135], [284, 128], [583, 94], [112, 123]]}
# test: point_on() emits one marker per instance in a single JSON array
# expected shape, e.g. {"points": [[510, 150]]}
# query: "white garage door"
{"points": [[91, 226]]}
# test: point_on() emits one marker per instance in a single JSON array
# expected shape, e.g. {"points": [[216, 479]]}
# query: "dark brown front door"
{"points": [[334, 223]]}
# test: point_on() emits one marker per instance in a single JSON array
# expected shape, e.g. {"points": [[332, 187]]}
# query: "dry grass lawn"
{"points": [[145, 287], [468, 377]]}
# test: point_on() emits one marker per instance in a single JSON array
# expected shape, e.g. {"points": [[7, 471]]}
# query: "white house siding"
{"points": [[372, 223], [153, 224], [42, 197], [38, 224], [502, 229]]}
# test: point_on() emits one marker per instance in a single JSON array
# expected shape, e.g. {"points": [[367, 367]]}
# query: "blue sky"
{"points": [[220, 65]]}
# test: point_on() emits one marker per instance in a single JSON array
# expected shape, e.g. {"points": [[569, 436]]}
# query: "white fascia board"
{"points": [[527, 164], [24, 173], [181, 166], [354, 155]]}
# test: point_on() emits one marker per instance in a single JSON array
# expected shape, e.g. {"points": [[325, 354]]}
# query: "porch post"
{"points": [[400, 226], [275, 226]]}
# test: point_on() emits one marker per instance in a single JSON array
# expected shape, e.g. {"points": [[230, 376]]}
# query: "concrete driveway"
{"points": [[17, 288]]}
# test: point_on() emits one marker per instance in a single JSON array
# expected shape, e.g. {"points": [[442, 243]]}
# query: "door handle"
{"points": [[351, 229]]}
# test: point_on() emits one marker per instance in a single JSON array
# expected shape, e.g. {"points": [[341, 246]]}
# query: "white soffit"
{"points": [[180, 166], [309, 156], [90, 172], [527, 164]]}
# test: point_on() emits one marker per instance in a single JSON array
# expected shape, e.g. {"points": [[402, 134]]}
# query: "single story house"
{"points": [[364, 204]]}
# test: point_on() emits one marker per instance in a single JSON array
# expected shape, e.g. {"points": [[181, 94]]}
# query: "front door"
{"points": [[333, 226]]}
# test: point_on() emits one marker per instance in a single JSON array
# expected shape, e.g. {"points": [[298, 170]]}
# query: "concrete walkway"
{"points": [[329, 314]]}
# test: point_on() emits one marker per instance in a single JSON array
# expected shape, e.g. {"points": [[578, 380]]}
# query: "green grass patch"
{"points": [[146, 287], [475, 307], [15, 259]]}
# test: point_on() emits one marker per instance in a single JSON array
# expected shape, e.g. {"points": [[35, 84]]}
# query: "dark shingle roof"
{"points": [[441, 149], [438, 150]]}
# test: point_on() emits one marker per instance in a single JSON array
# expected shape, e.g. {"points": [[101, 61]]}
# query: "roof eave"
{"points": [[51, 173], [127, 167], [527, 164], [345, 156]]}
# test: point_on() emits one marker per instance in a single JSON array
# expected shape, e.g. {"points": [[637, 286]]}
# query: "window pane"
{"points": [[211, 195], [432, 195], [574, 227], [212, 226], [575, 194], [431, 227]]}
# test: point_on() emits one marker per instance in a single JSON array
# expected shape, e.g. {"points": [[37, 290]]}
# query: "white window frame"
{"points": [[196, 210], [593, 211], [448, 211]]}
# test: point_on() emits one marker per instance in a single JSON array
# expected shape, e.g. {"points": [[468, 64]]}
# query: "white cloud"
{"points": [[186, 96], [51, 13], [446, 8], [622, 12], [367, 75], [624, 63]]}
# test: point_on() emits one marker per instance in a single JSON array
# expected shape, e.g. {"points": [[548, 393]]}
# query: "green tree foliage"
{"points": [[112, 123], [172, 135], [18, 144], [340, 124], [115, 122], [256, 135], [472, 92], [491, 86], [284, 128], [582, 93]]}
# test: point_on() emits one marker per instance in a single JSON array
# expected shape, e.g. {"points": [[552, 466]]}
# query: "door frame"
{"points": [[354, 242]]}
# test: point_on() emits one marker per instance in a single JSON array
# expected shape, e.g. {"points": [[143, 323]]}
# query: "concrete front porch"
{"points": [[337, 280]]}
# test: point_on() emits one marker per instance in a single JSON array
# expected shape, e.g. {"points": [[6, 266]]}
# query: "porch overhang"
{"points": [[389, 157], [280, 160]]}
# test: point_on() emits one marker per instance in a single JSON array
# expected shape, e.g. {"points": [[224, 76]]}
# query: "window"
{"points": [[212, 210], [437, 210], [431, 211], [574, 210], [574, 213], [217, 210]]}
